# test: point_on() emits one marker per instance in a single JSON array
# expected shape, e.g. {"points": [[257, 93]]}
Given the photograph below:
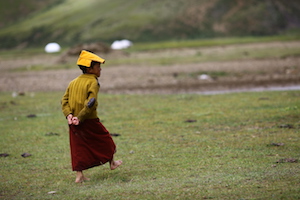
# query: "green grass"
{"points": [[163, 54], [41, 68], [225, 154], [146, 46]]}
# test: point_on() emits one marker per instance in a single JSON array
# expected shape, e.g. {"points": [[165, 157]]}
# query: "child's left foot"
{"points": [[81, 179], [115, 164]]}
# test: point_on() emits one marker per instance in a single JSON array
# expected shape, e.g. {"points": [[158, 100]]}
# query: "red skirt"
{"points": [[91, 145]]}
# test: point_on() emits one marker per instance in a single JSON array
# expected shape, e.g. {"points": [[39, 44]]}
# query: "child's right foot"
{"points": [[115, 164]]}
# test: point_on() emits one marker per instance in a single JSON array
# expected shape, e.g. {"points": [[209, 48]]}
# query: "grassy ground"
{"points": [[225, 153], [166, 54], [146, 46]]}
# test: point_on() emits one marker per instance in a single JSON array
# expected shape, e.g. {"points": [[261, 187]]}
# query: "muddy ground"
{"points": [[166, 79]]}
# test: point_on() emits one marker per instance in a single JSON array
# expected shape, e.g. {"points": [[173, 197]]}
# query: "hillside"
{"points": [[13, 11], [70, 22]]}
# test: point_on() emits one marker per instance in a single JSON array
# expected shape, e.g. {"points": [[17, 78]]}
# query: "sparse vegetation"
{"points": [[173, 147], [162, 70]]}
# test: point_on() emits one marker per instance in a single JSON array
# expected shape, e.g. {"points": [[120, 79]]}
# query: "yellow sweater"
{"points": [[79, 92]]}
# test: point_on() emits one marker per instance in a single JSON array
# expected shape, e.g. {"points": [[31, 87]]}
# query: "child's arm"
{"points": [[65, 104]]}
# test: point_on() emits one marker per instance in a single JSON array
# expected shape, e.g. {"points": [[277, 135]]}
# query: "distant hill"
{"points": [[13, 11], [69, 22]]}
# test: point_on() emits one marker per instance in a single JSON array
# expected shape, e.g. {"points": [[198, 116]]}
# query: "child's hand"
{"points": [[72, 120], [75, 121], [69, 118]]}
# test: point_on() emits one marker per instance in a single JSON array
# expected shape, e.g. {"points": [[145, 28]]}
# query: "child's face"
{"points": [[95, 70]]}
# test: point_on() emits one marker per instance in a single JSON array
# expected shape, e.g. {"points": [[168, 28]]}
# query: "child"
{"points": [[91, 144]]}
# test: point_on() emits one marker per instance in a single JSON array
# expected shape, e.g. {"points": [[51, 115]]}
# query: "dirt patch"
{"points": [[157, 79]]}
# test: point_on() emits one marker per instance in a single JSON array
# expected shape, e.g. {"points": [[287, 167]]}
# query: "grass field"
{"points": [[225, 151]]}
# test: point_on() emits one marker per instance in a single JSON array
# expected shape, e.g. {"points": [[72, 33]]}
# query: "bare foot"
{"points": [[78, 180], [81, 179], [115, 164]]}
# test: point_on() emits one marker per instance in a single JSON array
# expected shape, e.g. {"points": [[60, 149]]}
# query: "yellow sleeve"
{"points": [[90, 104], [65, 104]]}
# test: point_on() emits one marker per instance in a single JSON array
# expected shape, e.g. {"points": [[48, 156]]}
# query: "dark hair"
{"points": [[94, 63], [84, 68]]}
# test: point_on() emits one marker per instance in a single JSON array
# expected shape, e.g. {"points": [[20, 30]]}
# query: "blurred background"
{"points": [[25, 23], [163, 46]]}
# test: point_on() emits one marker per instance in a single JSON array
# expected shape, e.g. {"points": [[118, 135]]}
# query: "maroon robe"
{"points": [[91, 145]]}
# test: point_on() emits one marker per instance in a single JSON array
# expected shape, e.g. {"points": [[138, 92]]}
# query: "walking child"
{"points": [[90, 143]]}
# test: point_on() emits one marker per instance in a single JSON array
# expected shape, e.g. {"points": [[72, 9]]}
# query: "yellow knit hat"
{"points": [[85, 58]]}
